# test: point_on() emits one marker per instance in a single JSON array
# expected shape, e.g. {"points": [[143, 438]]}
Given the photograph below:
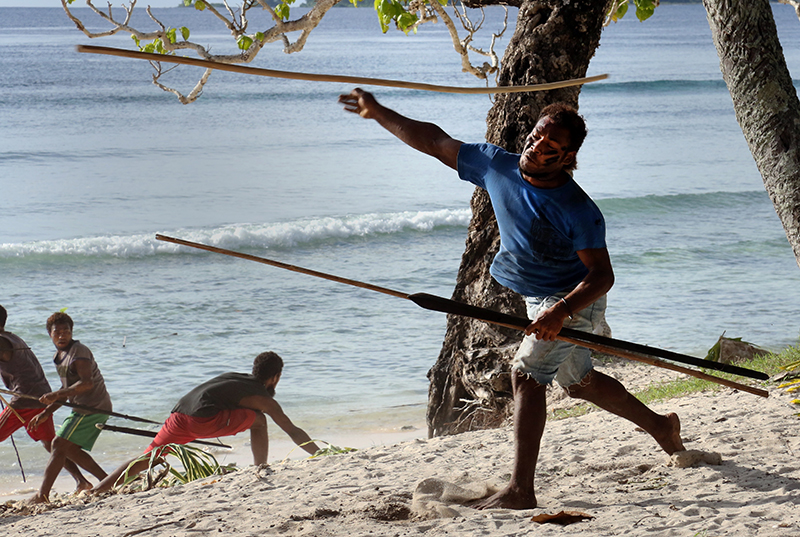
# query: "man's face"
{"points": [[272, 383], [61, 334], [545, 152]]}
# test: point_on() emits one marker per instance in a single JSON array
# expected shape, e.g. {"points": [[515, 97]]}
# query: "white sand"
{"points": [[597, 464]]}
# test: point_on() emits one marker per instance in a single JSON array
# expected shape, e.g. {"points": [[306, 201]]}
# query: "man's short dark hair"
{"points": [[58, 317], [267, 365], [3, 316], [564, 115]]}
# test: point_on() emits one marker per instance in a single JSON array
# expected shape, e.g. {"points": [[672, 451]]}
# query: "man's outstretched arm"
{"points": [[425, 137], [272, 409]]}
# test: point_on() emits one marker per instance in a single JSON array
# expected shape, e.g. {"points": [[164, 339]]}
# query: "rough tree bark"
{"points": [[470, 383], [764, 99]]}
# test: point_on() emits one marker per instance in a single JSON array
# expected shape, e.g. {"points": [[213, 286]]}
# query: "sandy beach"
{"points": [[595, 464]]}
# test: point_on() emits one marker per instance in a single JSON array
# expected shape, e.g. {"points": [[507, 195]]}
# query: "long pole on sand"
{"points": [[314, 77], [623, 349]]}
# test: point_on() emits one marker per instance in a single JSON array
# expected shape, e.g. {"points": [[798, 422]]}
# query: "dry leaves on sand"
{"points": [[562, 518]]}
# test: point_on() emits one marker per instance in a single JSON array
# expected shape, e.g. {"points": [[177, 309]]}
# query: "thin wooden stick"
{"points": [[357, 80], [13, 441], [11, 408], [284, 266], [151, 434], [83, 407], [444, 305]]}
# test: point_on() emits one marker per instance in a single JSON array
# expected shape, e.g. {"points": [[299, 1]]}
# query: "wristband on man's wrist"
{"points": [[566, 305]]}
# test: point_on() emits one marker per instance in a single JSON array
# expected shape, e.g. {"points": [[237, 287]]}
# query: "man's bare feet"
{"points": [[670, 436], [508, 498], [38, 498], [83, 485]]}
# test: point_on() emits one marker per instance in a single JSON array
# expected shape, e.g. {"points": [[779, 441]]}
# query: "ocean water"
{"points": [[95, 160]]}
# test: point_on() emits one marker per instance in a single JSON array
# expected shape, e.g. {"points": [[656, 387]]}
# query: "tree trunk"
{"points": [[470, 385], [764, 99]]}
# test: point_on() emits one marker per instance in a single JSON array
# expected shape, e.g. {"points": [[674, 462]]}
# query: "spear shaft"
{"points": [[315, 77], [623, 349], [86, 408]]}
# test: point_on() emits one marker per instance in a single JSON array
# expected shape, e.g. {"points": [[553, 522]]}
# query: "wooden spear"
{"points": [[83, 407], [356, 80], [623, 349], [151, 434]]}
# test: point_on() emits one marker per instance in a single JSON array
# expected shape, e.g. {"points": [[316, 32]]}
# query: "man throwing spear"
{"points": [[224, 406], [553, 252]]}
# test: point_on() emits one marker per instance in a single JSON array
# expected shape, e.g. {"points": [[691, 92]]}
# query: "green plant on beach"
{"points": [[792, 377], [769, 363], [196, 463], [328, 450]]}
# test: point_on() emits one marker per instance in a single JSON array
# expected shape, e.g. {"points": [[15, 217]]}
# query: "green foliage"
{"points": [[196, 463], [282, 9], [644, 9], [395, 10], [157, 46], [330, 449], [244, 42], [769, 363], [714, 352], [199, 5], [792, 375]]}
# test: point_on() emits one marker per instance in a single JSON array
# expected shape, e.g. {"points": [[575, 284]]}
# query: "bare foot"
{"points": [[38, 498], [670, 437], [508, 498], [83, 485]]}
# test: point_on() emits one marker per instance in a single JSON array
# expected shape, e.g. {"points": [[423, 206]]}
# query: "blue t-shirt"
{"points": [[541, 229]]}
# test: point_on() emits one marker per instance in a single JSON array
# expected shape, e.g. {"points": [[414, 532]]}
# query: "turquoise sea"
{"points": [[95, 160]]}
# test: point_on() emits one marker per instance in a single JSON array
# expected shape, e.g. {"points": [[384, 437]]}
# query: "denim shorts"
{"points": [[544, 361]]}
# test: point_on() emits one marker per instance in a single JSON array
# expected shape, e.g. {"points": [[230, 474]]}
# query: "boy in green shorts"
{"points": [[82, 384]]}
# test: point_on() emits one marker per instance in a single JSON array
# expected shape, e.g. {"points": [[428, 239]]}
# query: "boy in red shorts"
{"points": [[224, 406], [22, 373]]}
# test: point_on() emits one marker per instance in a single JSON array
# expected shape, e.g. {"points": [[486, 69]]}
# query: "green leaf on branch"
{"points": [[156, 47], [260, 36], [171, 35], [185, 33], [393, 10], [244, 42], [282, 10], [617, 15], [200, 5], [187, 3], [407, 20], [645, 9]]}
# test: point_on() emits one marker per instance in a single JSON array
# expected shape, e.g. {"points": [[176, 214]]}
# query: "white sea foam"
{"points": [[281, 234]]}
